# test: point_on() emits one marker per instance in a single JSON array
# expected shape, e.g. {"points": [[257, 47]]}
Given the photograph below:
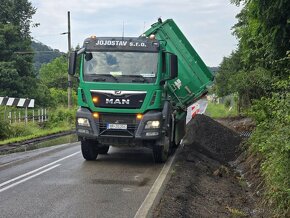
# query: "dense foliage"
{"points": [[258, 72], [263, 31], [272, 139], [16, 75], [4, 129], [62, 117], [53, 76]]}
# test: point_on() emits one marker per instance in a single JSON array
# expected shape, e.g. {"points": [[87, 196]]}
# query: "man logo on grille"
{"points": [[118, 92], [117, 101]]}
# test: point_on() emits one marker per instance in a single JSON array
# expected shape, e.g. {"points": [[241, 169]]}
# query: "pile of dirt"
{"points": [[202, 183], [212, 138]]}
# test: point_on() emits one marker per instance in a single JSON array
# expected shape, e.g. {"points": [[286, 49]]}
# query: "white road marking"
{"points": [[30, 177], [149, 200], [40, 168]]}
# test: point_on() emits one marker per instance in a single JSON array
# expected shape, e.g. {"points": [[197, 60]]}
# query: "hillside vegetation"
{"points": [[43, 54], [258, 73]]}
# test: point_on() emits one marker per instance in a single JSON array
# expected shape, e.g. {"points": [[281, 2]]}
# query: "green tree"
{"points": [[54, 74], [263, 31], [16, 75], [228, 68]]}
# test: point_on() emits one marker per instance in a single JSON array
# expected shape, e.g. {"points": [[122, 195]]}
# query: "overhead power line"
{"points": [[36, 52]]}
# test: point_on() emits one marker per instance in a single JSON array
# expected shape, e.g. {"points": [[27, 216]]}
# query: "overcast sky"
{"points": [[206, 23]]}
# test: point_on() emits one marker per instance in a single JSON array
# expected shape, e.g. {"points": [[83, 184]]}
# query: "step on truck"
{"points": [[135, 91]]}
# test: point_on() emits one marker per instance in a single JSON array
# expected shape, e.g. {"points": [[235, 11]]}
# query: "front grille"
{"points": [[129, 101], [128, 119]]}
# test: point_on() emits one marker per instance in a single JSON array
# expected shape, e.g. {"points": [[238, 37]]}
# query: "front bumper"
{"points": [[133, 134]]}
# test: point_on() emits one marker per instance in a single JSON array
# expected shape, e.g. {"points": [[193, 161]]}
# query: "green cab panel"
{"points": [[148, 96], [194, 77]]}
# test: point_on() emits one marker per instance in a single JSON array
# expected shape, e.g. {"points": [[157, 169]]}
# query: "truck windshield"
{"points": [[118, 67]]}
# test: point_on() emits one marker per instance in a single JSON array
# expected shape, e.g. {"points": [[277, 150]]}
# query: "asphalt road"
{"points": [[60, 183]]}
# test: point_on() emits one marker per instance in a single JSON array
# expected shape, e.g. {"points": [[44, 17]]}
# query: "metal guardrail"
{"points": [[9, 148]]}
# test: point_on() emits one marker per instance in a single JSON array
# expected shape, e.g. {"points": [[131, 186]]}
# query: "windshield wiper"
{"points": [[138, 78], [109, 75], [103, 79], [99, 79]]}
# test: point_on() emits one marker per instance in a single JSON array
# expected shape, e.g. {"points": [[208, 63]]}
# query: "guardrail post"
{"points": [[26, 114], [42, 115], [5, 113], [33, 116], [19, 116], [10, 117]]}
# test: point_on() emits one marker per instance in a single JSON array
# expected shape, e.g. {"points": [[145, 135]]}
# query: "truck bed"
{"points": [[194, 77]]}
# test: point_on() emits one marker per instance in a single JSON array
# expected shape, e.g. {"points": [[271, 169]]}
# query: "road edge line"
{"points": [[147, 204]]}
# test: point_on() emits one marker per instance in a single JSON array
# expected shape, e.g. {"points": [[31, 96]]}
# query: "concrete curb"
{"points": [[153, 197]]}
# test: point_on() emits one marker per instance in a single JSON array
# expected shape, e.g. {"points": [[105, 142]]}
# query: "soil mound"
{"points": [[212, 139], [202, 184]]}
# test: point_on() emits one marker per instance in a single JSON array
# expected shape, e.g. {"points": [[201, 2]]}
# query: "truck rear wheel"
{"points": [[89, 149], [103, 149], [161, 152]]}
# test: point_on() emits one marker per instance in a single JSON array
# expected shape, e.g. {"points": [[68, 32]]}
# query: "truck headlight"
{"points": [[152, 124], [83, 122]]}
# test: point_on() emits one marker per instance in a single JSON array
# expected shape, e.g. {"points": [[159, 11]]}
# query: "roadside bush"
{"points": [[61, 117], [271, 138], [228, 102], [22, 129], [5, 130], [59, 97]]}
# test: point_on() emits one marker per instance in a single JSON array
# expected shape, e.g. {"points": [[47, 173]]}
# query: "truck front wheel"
{"points": [[89, 149]]}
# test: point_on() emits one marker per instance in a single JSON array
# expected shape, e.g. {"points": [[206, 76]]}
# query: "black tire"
{"points": [[171, 135], [103, 149], [161, 152], [89, 149]]}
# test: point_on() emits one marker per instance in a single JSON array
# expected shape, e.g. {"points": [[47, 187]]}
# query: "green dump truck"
{"points": [[135, 91]]}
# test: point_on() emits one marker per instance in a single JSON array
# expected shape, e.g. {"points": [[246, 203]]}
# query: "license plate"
{"points": [[116, 126]]}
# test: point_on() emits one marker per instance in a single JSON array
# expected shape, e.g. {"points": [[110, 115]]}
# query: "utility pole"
{"points": [[69, 89]]}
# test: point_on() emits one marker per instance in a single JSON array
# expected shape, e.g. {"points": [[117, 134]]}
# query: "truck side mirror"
{"points": [[72, 63], [173, 66]]}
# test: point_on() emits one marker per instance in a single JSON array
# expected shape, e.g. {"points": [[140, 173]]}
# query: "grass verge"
{"points": [[220, 110], [61, 119], [36, 134]]}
